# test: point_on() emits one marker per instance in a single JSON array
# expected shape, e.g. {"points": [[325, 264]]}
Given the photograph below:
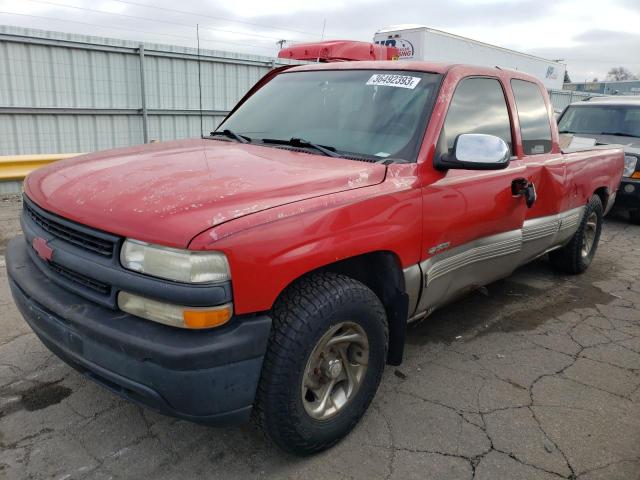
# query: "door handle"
{"points": [[521, 187]]}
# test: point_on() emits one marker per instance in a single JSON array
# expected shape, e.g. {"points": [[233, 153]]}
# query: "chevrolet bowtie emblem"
{"points": [[43, 250]]}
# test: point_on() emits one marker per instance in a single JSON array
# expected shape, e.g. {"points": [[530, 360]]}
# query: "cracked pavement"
{"points": [[533, 377]]}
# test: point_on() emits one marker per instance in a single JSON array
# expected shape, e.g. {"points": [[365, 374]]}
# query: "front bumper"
{"points": [[204, 376], [629, 194]]}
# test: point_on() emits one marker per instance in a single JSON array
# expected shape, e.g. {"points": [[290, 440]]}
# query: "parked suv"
{"points": [[271, 268], [612, 120]]}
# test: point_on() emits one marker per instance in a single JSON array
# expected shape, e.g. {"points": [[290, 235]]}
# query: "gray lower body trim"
{"points": [[454, 272], [467, 267], [483, 250], [542, 234], [610, 202], [413, 286]]}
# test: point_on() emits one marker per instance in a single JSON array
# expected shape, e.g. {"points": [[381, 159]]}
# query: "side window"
{"points": [[533, 116], [478, 106]]}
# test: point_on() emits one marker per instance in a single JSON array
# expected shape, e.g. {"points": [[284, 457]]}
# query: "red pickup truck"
{"points": [[272, 267]]}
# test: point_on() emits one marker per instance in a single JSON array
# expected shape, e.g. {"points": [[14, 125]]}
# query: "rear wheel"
{"points": [[325, 358], [577, 255]]}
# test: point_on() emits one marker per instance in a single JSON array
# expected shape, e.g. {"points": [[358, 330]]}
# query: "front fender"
{"points": [[270, 249]]}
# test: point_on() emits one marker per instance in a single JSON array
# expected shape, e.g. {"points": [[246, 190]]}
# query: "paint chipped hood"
{"points": [[167, 193]]}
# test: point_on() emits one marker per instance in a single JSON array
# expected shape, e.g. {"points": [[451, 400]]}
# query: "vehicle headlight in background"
{"points": [[174, 315], [174, 264], [629, 165]]}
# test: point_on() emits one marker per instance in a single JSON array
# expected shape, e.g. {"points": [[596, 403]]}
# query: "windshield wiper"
{"points": [[389, 161], [231, 134], [565, 131], [621, 134], [299, 142]]}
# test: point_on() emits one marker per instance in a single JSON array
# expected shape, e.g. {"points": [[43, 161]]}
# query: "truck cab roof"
{"points": [[420, 66]]}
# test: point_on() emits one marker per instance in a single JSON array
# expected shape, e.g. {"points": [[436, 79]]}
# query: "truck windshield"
{"points": [[366, 113], [621, 120]]}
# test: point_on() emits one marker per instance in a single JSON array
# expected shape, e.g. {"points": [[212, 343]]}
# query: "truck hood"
{"points": [[167, 193], [630, 144]]}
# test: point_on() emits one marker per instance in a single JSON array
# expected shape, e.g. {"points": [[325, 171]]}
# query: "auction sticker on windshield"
{"points": [[402, 81]]}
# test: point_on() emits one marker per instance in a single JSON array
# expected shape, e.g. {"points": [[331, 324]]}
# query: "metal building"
{"points": [[75, 93], [68, 93]]}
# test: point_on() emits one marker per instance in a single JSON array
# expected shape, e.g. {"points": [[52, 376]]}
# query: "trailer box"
{"points": [[416, 42]]}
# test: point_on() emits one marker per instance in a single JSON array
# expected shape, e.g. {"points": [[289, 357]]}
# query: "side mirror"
{"points": [[476, 151]]}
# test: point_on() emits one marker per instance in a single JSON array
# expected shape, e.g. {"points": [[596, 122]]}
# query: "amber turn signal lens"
{"points": [[174, 315], [636, 175], [207, 318]]}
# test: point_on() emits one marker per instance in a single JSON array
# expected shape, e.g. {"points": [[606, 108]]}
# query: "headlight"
{"points": [[174, 264], [174, 315], [629, 165]]}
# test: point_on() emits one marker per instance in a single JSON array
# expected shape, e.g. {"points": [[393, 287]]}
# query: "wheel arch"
{"points": [[381, 271], [604, 195]]}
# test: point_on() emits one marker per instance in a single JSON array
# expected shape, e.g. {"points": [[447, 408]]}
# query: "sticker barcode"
{"points": [[402, 81]]}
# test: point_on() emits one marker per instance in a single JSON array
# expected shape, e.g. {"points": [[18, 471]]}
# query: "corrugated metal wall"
{"points": [[73, 93], [64, 93]]}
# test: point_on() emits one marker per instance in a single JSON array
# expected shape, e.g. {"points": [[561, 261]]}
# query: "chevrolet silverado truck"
{"points": [[611, 120], [270, 270]]}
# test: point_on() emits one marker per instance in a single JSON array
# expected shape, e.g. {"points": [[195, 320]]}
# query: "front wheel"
{"points": [[324, 361], [634, 216], [577, 255]]}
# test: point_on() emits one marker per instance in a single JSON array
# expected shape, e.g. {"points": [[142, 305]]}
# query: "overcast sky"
{"points": [[590, 35]]}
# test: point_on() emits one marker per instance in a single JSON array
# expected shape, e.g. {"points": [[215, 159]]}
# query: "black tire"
{"points": [[301, 318], [571, 258], [634, 216]]}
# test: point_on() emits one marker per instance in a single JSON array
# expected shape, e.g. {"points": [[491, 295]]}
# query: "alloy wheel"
{"points": [[590, 229], [335, 370]]}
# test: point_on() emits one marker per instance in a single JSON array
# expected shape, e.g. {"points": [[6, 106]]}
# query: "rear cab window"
{"points": [[478, 105], [533, 117]]}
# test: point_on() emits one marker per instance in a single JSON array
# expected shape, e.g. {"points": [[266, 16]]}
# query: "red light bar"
{"points": [[339, 51]]}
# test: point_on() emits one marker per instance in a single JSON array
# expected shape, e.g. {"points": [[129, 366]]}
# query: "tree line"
{"points": [[616, 74]]}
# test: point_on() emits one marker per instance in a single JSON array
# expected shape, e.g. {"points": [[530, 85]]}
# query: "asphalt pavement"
{"points": [[533, 377]]}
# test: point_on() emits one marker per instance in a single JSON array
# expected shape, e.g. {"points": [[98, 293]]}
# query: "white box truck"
{"points": [[417, 42]]}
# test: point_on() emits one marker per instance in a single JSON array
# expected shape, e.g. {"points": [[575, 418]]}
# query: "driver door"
{"points": [[472, 233]]}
